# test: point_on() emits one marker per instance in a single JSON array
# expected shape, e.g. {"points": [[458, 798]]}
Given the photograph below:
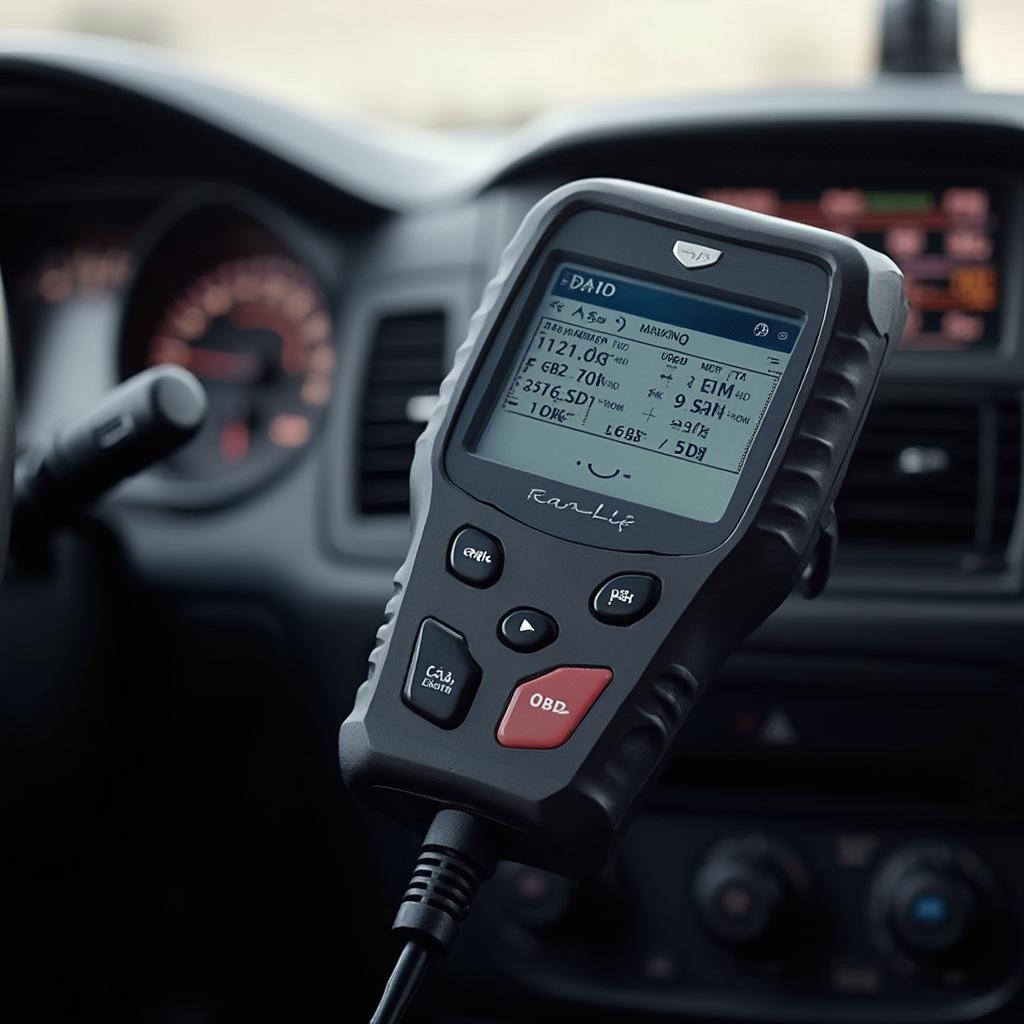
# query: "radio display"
{"points": [[945, 240], [639, 391]]}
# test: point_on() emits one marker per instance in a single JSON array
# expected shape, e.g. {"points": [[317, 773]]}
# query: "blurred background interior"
{"points": [[176, 840], [409, 61]]}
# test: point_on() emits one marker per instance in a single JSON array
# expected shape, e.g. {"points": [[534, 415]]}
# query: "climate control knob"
{"points": [[750, 892], [933, 913], [933, 910]]}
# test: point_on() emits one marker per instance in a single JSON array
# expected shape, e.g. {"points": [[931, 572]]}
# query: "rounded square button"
{"points": [[475, 557], [443, 677], [545, 711]]}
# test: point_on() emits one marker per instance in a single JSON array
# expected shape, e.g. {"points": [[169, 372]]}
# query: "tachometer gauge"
{"points": [[257, 332], [241, 293]]}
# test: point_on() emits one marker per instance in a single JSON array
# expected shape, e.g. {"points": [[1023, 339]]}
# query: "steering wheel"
{"points": [[6, 432]]}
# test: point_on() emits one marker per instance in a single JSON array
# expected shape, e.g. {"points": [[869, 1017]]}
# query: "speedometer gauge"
{"points": [[257, 332], [241, 293]]}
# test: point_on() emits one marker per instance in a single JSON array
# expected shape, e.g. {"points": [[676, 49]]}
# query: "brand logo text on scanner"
{"points": [[588, 285], [616, 518]]}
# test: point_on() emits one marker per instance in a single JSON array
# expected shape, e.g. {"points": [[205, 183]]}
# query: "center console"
{"points": [[835, 842]]}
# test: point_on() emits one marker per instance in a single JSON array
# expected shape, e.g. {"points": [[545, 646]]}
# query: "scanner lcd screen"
{"points": [[639, 391]]}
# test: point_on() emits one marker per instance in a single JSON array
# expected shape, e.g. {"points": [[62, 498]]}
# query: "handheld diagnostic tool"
{"points": [[630, 466]]}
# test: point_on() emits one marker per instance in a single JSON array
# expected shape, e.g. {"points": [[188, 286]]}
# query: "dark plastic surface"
{"points": [[6, 432]]}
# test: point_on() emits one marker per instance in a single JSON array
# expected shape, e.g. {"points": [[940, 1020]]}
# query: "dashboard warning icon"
{"points": [[778, 730]]}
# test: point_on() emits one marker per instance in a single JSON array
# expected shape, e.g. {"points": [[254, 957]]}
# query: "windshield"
{"points": [[483, 63]]}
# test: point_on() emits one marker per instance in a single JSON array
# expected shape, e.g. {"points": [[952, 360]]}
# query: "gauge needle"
{"points": [[216, 364], [250, 316]]}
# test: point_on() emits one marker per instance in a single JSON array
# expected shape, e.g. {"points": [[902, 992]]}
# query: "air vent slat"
{"points": [[389, 460], [397, 376], [391, 409], [387, 494], [390, 435], [407, 365], [933, 481]]}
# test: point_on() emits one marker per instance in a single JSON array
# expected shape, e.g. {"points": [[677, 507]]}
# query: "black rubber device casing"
{"points": [[562, 808]]}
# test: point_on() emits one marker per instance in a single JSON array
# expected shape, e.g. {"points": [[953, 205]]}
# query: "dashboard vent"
{"points": [[406, 367], [933, 480]]}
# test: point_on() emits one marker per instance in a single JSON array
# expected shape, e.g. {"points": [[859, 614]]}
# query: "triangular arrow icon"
{"points": [[778, 730], [525, 627]]}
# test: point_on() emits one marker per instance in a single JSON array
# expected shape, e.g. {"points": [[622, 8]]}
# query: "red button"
{"points": [[545, 711]]}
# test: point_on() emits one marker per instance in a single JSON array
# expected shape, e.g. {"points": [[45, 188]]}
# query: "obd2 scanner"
{"points": [[629, 468]]}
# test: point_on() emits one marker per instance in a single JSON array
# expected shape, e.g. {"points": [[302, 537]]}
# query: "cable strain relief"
{"points": [[454, 860]]}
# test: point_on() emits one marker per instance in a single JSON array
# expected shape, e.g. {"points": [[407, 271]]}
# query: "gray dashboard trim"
{"points": [[402, 168], [386, 166]]}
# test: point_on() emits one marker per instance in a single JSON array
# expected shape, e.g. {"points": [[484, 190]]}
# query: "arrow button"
{"points": [[527, 629]]}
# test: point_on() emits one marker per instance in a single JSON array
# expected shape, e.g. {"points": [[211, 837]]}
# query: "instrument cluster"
{"points": [[216, 280], [947, 239]]}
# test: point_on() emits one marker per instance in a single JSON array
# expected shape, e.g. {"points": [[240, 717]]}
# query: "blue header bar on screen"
{"points": [[678, 308]]}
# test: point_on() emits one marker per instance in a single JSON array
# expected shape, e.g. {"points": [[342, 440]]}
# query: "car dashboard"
{"points": [[177, 665]]}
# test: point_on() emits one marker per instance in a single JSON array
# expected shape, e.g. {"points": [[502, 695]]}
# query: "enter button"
{"points": [[545, 711]]}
